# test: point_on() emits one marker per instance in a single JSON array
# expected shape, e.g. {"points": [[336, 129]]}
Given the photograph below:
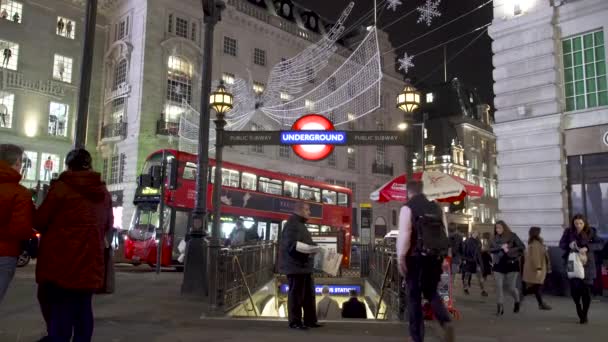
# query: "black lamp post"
{"points": [[408, 101]]}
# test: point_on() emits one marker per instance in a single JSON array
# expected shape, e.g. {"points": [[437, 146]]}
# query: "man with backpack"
{"points": [[422, 246]]}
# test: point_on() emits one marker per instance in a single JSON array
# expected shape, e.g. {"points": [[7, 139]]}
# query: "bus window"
{"points": [[290, 189], [230, 178], [310, 194], [342, 199], [155, 159], [270, 186], [327, 229], [330, 197], [313, 229], [249, 181], [189, 171]]}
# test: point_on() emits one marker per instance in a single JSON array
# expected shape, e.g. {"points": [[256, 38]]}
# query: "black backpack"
{"points": [[431, 237]]}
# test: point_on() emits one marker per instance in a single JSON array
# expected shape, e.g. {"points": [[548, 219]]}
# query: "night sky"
{"points": [[473, 66]]}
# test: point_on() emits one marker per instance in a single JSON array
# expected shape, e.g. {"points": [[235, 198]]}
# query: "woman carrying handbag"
{"points": [[507, 250], [579, 243], [536, 266]]}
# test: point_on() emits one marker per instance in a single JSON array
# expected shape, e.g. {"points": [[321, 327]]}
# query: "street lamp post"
{"points": [[221, 101], [195, 271], [408, 101]]}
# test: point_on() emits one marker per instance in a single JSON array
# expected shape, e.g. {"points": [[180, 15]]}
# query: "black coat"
{"points": [[353, 308], [290, 260], [593, 244], [507, 262], [471, 256]]}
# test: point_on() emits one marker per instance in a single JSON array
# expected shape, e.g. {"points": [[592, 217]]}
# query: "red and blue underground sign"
{"points": [[313, 137]]}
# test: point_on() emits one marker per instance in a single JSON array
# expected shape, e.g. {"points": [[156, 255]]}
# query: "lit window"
{"points": [[66, 27], [429, 98], [10, 54], [259, 57], [114, 169], [331, 159], [585, 71], [290, 189], [48, 166], [58, 119], [117, 110], [7, 103], [28, 165], [120, 74], [11, 10], [62, 69], [270, 186], [285, 96], [308, 193], [258, 87], [484, 167], [181, 27], [309, 104], [351, 121], [285, 151], [249, 181], [179, 80], [230, 46], [352, 161], [228, 78]]}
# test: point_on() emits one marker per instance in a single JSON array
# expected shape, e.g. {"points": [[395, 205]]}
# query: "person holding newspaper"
{"points": [[296, 261]]}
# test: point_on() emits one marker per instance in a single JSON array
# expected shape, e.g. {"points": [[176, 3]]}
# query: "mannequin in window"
{"points": [[3, 115], [4, 14], [7, 56], [61, 70], [68, 29], [16, 17], [48, 168], [26, 164], [60, 26]]}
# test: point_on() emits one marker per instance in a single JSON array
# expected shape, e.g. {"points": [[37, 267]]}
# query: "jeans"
{"points": [[8, 265], [508, 280], [466, 280], [70, 313], [581, 294], [301, 297], [422, 278], [536, 289]]}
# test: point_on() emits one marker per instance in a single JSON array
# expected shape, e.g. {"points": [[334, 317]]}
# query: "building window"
{"points": [[588, 186], [10, 54], [117, 110], [484, 167], [114, 169], [429, 98], [259, 57], [483, 144], [352, 159], [258, 87], [285, 151], [381, 154], [228, 78], [11, 10], [257, 148], [28, 165], [170, 23], [193, 30], [351, 121], [181, 27], [585, 71], [104, 170], [474, 163], [62, 69], [353, 187], [120, 74], [230, 47], [121, 172], [7, 103], [48, 166], [179, 87], [123, 29], [331, 159], [58, 119], [285, 96], [66, 27]]}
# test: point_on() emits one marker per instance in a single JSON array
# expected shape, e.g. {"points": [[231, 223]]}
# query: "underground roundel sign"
{"points": [[313, 137]]}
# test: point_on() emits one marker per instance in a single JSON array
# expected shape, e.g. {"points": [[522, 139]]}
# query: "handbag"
{"points": [[576, 270]]}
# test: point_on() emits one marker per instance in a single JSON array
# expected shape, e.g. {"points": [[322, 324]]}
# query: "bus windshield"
{"points": [[144, 224]]}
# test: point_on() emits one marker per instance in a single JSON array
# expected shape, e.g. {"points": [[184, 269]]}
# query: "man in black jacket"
{"points": [[296, 261], [353, 308]]}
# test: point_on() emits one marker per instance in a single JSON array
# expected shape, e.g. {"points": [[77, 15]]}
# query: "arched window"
{"points": [[120, 74], [179, 87]]}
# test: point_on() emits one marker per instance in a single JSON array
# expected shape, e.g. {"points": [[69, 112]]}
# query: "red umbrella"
{"points": [[437, 186]]}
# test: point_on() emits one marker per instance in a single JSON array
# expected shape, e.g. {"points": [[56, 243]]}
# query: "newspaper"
{"points": [[328, 260]]}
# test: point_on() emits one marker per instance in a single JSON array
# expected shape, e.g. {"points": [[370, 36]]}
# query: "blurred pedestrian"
{"points": [[353, 308], [237, 236], [73, 220], [16, 213], [422, 245], [456, 249], [472, 263], [581, 238], [328, 308], [536, 266], [507, 250], [296, 262]]}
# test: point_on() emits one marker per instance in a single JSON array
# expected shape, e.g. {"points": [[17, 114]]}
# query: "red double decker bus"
{"points": [[263, 199]]}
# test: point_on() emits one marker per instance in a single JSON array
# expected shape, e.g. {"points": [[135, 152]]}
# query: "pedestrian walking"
{"points": [[16, 213], [353, 308], [296, 261], [536, 266], [422, 245], [328, 308], [73, 220], [472, 263], [456, 249], [582, 239], [507, 250], [237, 236]]}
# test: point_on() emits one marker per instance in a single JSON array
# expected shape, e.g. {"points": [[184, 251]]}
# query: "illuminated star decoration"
{"points": [[428, 11], [392, 4], [406, 63]]}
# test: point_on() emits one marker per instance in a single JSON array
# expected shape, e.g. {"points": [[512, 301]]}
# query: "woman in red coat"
{"points": [[73, 220]]}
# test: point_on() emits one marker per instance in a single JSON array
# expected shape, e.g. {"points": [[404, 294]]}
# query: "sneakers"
{"points": [[484, 293], [448, 330], [298, 326], [544, 306]]}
